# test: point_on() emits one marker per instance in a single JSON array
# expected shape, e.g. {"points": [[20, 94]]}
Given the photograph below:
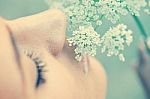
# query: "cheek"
{"points": [[11, 88], [10, 81], [29, 72]]}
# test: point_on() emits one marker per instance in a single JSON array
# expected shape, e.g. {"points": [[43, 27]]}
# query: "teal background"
{"points": [[123, 82]]}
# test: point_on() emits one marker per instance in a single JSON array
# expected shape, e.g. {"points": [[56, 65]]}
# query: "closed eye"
{"points": [[40, 71], [40, 66]]}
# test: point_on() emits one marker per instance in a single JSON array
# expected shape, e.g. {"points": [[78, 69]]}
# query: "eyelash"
{"points": [[40, 65]]}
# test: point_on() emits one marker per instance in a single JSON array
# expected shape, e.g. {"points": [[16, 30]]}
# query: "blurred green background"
{"points": [[123, 82]]}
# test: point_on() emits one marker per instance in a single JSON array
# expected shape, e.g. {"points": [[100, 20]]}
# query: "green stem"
{"points": [[142, 31], [101, 17], [139, 24], [147, 1]]}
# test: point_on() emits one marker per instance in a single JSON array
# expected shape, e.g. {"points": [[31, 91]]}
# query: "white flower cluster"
{"points": [[147, 10], [134, 6], [112, 9], [84, 16], [113, 42], [85, 12], [82, 12], [85, 40]]}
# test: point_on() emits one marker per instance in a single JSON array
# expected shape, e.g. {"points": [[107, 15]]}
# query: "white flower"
{"points": [[82, 12], [134, 6], [114, 40], [86, 15], [85, 40], [112, 9], [121, 57]]}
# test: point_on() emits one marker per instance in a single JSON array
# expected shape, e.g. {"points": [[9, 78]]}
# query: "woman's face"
{"points": [[63, 76]]}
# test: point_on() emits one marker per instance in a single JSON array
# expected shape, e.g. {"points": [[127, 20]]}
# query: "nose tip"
{"points": [[57, 34]]}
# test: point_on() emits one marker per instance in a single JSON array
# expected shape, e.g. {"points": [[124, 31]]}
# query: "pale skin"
{"points": [[65, 78]]}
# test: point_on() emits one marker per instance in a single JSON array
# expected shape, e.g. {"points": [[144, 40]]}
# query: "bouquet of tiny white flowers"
{"points": [[85, 16]]}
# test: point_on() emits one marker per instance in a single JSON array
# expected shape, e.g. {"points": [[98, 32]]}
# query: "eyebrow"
{"points": [[16, 52], [15, 49]]}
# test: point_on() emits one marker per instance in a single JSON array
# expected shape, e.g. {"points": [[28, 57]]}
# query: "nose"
{"points": [[46, 29]]}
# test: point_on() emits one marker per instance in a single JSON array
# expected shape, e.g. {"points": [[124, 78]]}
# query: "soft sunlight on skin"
{"points": [[64, 77]]}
